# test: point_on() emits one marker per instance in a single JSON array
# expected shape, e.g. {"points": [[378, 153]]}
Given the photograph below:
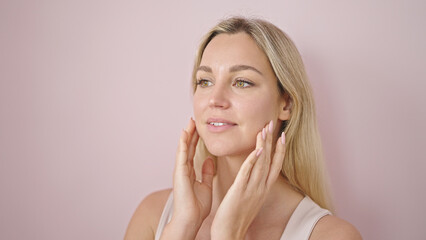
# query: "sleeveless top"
{"points": [[299, 226]]}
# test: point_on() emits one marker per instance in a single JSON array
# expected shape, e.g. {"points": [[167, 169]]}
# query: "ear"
{"points": [[285, 107]]}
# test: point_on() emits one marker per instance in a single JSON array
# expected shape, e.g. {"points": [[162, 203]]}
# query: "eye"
{"points": [[239, 83], [204, 83]]}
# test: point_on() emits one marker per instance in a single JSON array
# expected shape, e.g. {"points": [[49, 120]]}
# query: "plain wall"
{"points": [[94, 94]]}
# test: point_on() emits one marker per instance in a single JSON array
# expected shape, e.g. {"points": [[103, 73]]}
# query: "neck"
{"points": [[227, 169]]}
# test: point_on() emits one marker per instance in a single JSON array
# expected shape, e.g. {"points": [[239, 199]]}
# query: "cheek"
{"points": [[198, 105], [257, 112]]}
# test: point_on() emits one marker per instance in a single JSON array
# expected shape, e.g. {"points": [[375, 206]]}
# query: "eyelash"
{"points": [[202, 81], [250, 84]]}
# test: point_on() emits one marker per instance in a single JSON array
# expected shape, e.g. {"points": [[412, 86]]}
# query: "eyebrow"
{"points": [[235, 68]]}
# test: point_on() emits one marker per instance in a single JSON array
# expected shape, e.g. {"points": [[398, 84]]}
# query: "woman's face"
{"points": [[236, 95]]}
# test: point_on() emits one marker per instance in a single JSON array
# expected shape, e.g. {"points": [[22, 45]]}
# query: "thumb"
{"points": [[207, 172]]}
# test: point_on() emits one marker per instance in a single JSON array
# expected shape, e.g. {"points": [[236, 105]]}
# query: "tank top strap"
{"points": [[303, 220], [166, 216]]}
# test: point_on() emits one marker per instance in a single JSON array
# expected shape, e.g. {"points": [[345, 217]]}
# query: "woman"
{"points": [[257, 137]]}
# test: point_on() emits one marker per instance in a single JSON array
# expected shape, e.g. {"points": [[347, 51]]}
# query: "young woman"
{"points": [[255, 134]]}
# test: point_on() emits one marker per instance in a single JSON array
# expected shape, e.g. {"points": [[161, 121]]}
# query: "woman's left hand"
{"points": [[251, 186]]}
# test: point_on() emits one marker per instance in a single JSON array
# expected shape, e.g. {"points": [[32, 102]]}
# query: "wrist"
{"points": [[179, 230], [227, 235]]}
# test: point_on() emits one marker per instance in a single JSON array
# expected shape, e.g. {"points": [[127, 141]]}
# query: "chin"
{"points": [[216, 148], [225, 148]]}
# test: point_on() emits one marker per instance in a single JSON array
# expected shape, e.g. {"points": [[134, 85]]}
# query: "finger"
{"points": [[190, 129], [268, 149], [268, 144], [207, 172], [260, 139], [277, 160], [192, 144], [192, 148], [243, 176], [191, 153], [182, 152], [259, 168], [182, 183], [181, 174]]}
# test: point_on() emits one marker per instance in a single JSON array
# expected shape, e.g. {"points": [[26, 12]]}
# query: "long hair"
{"points": [[303, 165]]}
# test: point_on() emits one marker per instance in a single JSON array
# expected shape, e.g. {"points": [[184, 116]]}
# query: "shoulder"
{"points": [[333, 228], [145, 220]]}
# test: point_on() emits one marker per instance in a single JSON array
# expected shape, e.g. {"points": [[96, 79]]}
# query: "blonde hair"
{"points": [[303, 163]]}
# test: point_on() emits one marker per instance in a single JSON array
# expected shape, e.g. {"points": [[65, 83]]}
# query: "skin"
{"points": [[242, 198], [246, 97]]}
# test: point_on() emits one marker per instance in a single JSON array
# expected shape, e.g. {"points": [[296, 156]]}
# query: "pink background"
{"points": [[93, 95]]}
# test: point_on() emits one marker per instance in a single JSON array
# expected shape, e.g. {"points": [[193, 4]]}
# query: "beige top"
{"points": [[299, 227]]}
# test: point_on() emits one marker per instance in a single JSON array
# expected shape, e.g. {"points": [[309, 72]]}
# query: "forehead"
{"points": [[226, 50]]}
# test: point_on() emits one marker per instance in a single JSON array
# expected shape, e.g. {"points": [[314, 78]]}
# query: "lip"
{"points": [[217, 129]]}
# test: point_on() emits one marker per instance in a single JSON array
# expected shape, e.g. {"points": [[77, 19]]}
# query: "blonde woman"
{"points": [[258, 144]]}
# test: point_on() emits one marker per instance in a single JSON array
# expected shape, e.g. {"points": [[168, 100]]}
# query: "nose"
{"points": [[219, 97]]}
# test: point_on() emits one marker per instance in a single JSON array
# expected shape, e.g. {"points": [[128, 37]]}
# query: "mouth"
{"points": [[219, 125]]}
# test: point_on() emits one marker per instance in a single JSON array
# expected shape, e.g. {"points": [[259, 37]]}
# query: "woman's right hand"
{"points": [[191, 199]]}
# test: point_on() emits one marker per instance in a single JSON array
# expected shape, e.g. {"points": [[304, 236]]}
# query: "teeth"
{"points": [[218, 124]]}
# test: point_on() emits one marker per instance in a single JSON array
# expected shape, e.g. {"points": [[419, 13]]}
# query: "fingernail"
{"points": [[282, 138], [271, 126], [263, 133], [259, 152]]}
